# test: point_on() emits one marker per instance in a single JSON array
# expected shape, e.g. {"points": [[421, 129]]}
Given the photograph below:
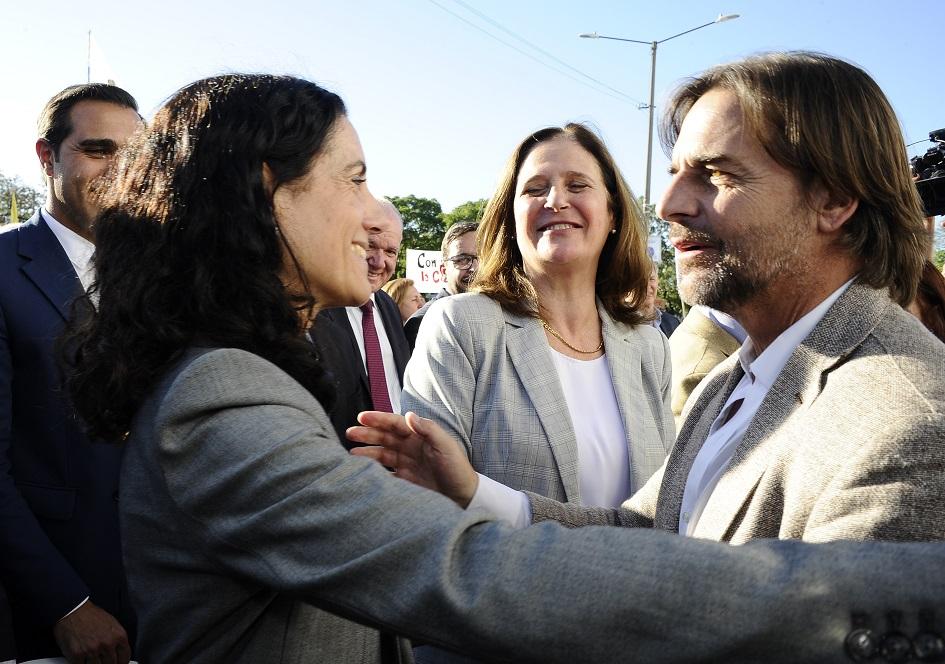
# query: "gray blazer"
{"points": [[241, 513], [487, 376], [848, 444]]}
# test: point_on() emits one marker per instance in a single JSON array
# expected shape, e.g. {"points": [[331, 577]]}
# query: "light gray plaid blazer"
{"points": [[488, 377], [849, 443]]}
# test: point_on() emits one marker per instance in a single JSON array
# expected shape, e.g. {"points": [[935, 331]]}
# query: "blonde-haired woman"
{"points": [[405, 295]]}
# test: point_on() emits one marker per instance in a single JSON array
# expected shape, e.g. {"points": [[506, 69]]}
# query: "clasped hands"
{"points": [[418, 450]]}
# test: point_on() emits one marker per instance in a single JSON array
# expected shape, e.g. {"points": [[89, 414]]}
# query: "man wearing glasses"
{"points": [[460, 261]]}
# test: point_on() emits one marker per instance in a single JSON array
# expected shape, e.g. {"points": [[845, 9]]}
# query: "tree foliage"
{"points": [[423, 226], [425, 223], [28, 200], [666, 270], [468, 211]]}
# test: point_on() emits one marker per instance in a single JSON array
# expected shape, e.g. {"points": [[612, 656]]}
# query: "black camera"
{"points": [[929, 171]]}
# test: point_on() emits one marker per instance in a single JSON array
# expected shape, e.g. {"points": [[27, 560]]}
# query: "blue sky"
{"points": [[438, 102]]}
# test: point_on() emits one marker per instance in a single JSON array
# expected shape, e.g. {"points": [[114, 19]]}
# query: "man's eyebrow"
{"points": [[705, 159], [104, 144], [714, 158]]}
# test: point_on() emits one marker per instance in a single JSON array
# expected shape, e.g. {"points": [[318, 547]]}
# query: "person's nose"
{"points": [[678, 202], [557, 199]]}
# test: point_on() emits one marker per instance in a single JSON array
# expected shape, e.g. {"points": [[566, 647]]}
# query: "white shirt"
{"points": [[603, 454], [603, 449], [77, 248], [355, 316], [727, 430]]}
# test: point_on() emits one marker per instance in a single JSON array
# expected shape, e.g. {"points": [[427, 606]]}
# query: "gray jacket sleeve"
{"points": [[255, 467]]}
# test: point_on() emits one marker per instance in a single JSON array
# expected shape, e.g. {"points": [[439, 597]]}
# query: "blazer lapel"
{"points": [[844, 327], [718, 385], [47, 265], [531, 357], [758, 447], [625, 363], [347, 343]]}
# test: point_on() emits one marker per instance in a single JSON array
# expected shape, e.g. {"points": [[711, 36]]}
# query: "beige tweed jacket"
{"points": [[848, 444], [696, 347], [488, 377]]}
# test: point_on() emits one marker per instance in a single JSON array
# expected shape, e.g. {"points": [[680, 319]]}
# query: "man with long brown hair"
{"points": [[829, 422]]}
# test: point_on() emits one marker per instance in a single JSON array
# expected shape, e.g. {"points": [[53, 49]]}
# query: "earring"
{"points": [[613, 231]]}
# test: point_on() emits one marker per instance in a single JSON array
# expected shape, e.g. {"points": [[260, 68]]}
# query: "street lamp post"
{"points": [[653, 45]]}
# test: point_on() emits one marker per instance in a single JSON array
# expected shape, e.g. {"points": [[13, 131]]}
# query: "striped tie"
{"points": [[375, 361]]}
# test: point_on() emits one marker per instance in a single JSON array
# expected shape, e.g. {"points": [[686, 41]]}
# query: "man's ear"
{"points": [[834, 210], [47, 155]]}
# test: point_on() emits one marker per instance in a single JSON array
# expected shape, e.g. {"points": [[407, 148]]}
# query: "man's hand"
{"points": [[418, 450], [90, 634]]}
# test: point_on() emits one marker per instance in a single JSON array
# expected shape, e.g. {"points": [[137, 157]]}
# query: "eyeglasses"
{"points": [[463, 261]]}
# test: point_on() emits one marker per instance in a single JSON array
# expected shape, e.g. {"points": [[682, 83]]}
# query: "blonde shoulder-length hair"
{"points": [[623, 268]]}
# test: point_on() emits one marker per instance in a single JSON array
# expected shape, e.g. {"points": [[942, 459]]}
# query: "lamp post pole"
{"points": [[649, 131], [651, 106]]}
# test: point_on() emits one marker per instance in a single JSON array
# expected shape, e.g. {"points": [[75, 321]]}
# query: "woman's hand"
{"points": [[418, 450]]}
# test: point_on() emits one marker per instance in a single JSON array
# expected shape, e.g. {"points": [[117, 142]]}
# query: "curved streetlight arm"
{"points": [[686, 32], [594, 35], [721, 19]]}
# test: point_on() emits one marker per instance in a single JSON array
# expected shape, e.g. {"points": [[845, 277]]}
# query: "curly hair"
{"points": [[188, 248], [623, 268]]}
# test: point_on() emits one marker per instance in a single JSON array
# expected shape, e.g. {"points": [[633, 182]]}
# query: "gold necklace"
{"points": [[557, 336]]}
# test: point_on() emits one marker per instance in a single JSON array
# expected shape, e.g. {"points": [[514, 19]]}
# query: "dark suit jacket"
{"points": [[413, 323], [668, 323], [338, 349], [58, 490]]}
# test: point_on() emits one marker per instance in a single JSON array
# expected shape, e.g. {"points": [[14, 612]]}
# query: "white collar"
{"points": [[764, 368], [77, 248], [724, 321]]}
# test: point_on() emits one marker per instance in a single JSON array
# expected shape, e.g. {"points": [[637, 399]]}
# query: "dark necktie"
{"points": [[374, 360]]}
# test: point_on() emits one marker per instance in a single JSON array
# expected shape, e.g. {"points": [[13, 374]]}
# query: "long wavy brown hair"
{"points": [[623, 268]]}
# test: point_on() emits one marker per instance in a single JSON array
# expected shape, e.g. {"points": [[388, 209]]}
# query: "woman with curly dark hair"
{"points": [[240, 211]]}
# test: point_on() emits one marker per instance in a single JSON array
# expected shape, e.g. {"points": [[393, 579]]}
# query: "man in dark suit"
{"points": [[61, 555], [339, 335], [460, 260]]}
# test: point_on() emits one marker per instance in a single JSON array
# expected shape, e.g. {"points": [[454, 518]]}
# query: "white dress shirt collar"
{"points": [[764, 368], [724, 321], [77, 248]]}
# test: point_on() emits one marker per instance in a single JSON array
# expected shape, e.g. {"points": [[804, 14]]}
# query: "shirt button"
{"points": [[685, 516]]}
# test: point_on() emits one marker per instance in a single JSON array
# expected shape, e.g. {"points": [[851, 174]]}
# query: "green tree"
{"points": [[468, 211], [666, 270], [423, 226], [28, 200], [939, 258]]}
